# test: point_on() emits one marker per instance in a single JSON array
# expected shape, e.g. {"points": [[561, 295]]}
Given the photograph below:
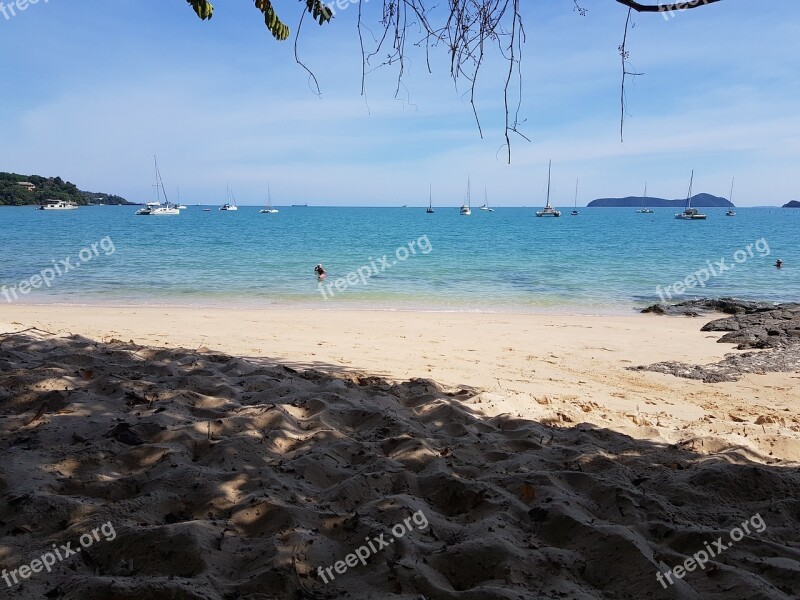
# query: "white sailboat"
{"points": [[575, 212], [230, 204], [548, 211], [644, 210], [466, 209], [690, 214], [486, 202], [730, 212], [157, 209], [268, 210], [180, 206]]}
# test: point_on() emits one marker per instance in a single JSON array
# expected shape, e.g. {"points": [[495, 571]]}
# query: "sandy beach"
{"points": [[269, 443], [536, 365]]}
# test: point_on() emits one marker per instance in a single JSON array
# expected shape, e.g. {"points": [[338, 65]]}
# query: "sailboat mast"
{"points": [[469, 193], [730, 199], [430, 195], [549, 165], [576, 192], [689, 196], [160, 182]]}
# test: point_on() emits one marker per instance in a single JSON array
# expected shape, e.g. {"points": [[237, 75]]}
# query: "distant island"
{"points": [[699, 200], [792, 204], [22, 190]]}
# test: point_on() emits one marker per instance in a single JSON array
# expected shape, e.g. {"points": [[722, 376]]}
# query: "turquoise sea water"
{"points": [[605, 260]]}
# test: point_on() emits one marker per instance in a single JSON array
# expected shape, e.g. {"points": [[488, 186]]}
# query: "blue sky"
{"points": [[92, 90]]}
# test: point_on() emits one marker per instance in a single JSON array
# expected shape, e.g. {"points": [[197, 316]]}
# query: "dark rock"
{"points": [[753, 326], [731, 306]]}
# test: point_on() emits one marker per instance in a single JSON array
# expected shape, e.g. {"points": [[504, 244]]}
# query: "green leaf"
{"points": [[321, 13], [203, 8], [278, 29]]}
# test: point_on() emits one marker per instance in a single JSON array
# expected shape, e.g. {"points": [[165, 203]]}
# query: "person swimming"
{"points": [[779, 263], [320, 271]]}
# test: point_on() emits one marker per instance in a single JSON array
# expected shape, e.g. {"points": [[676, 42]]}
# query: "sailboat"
{"points": [[156, 209], [644, 210], [574, 212], [486, 202], [180, 206], [231, 203], [730, 212], [466, 209], [268, 210], [430, 200], [548, 211], [690, 214]]}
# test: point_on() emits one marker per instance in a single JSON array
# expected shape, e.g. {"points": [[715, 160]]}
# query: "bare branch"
{"points": [[623, 53]]}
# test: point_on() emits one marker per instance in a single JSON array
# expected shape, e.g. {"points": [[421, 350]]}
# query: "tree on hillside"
{"points": [[465, 29]]}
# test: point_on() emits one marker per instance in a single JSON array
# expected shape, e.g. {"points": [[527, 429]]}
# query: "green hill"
{"points": [[699, 200], [37, 190]]}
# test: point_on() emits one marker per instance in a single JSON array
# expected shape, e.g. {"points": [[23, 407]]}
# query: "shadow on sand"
{"points": [[230, 478]]}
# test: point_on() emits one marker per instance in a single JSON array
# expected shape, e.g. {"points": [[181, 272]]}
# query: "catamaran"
{"points": [[690, 214], [466, 209], [231, 203], [156, 208], [58, 205], [574, 212], [730, 212], [548, 211], [268, 210], [486, 202], [644, 210], [430, 200]]}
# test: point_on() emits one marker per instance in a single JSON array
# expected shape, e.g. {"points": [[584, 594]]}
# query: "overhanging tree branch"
{"points": [[671, 7], [466, 30]]}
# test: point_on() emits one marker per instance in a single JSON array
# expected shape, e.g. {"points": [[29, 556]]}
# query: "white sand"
{"points": [[544, 468]]}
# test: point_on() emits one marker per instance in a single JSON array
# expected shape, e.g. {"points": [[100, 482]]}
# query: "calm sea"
{"points": [[605, 260]]}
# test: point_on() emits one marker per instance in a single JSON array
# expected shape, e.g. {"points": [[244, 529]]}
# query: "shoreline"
{"points": [[342, 307], [545, 309]]}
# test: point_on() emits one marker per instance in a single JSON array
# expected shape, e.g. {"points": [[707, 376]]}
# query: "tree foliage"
{"points": [[47, 188]]}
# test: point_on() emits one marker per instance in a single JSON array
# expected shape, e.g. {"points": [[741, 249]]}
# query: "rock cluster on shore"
{"points": [[774, 328]]}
